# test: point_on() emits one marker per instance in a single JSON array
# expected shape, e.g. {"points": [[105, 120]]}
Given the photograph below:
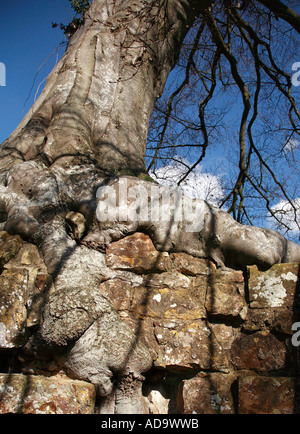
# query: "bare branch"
{"points": [[284, 12]]}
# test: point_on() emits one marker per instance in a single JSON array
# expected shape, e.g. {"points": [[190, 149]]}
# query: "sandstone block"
{"points": [[38, 293], [41, 395], [225, 294], [171, 279], [169, 296], [119, 292], [39, 283], [260, 352], [9, 247], [13, 312], [24, 285], [137, 253], [278, 319], [29, 258], [225, 334], [187, 264], [188, 345], [276, 287], [210, 394], [266, 395]]}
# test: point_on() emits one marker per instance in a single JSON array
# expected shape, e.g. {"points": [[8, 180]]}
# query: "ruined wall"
{"points": [[220, 340]]}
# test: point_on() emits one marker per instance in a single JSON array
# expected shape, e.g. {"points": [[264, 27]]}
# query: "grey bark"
{"points": [[90, 123], [98, 99]]}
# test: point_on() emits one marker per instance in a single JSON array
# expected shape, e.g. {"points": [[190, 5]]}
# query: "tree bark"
{"points": [[98, 100]]}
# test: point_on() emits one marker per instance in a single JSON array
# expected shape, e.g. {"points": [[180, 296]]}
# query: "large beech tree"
{"points": [[90, 125]]}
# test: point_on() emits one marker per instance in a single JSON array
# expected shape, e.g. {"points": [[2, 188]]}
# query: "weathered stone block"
{"points": [[170, 302], [28, 257], [42, 395], [9, 247], [119, 292], [13, 312], [137, 253], [276, 287], [260, 352], [225, 294], [225, 334], [210, 394], [24, 284], [278, 319], [187, 264], [186, 345], [171, 279], [169, 296], [39, 283], [266, 395], [38, 293]]}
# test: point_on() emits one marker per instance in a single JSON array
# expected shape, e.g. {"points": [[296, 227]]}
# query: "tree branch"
{"points": [[284, 12]]}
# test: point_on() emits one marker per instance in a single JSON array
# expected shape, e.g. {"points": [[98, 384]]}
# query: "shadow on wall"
{"points": [[60, 261], [170, 379]]}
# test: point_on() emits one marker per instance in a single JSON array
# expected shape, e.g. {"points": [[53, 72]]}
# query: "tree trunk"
{"points": [[89, 124], [98, 100]]}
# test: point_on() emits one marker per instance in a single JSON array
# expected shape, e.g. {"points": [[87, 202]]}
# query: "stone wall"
{"points": [[220, 340]]}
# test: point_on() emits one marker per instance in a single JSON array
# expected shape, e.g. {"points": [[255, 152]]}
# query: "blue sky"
{"points": [[26, 40]]}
